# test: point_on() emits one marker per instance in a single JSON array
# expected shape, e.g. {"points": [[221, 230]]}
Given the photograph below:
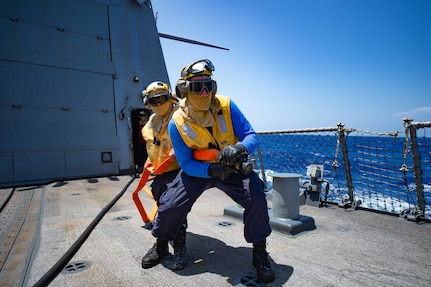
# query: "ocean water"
{"points": [[381, 167]]}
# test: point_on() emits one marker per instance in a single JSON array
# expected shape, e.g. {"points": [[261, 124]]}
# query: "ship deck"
{"points": [[39, 225]]}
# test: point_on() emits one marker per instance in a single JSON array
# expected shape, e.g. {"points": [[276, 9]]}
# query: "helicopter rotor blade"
{"points": [[190, 41]]}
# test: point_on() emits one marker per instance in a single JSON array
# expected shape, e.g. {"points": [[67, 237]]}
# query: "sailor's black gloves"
{"points": [[229, 158], [220, 171], [232, 153]]}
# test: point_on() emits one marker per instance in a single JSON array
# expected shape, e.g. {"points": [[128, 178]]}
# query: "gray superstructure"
{"points": [[71, 76]]}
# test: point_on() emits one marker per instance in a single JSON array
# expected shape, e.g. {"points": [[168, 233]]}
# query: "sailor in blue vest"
{"points": [[212, 139]]}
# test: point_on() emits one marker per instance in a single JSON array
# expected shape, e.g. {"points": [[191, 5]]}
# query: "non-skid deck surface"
{"points": [[347, 248]]}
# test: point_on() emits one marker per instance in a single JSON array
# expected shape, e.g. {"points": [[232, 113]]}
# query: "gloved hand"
{"points": [[220, 171], [231, 153]]}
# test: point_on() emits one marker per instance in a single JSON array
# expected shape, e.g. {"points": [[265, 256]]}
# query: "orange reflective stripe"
{"points": [[205, 154]]}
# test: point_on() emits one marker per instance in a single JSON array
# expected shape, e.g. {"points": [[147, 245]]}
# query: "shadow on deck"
{"points": [[347, 247]]}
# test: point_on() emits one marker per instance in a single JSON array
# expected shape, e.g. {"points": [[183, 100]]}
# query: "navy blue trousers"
{"points": [[184, 190], [160, 183]]}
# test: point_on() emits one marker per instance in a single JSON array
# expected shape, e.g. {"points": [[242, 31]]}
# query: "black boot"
{"points": [[180, 251], [265, 273], [159, 250]]}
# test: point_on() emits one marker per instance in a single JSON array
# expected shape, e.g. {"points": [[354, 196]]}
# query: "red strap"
{"points": [[205, 154], [144, 178]]}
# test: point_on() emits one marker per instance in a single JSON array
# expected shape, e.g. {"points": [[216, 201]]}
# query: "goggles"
{"points": [[198, 86], [201, 67], [158, 99]]}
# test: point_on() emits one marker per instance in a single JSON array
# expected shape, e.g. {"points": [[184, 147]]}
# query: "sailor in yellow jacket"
{"points": [[159, 98], [212, 139]]}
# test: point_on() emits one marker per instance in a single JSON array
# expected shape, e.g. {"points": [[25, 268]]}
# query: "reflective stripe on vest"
{"points": [[197, 137]]}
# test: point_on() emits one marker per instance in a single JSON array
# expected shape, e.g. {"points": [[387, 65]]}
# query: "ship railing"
{"points": [[386, 172]]}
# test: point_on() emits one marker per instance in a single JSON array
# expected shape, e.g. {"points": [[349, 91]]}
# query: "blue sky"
{"points": [[309, 63]]}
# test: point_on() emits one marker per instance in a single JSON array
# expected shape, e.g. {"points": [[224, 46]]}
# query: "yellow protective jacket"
{"points": [[200, 138], [158, 146]]}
